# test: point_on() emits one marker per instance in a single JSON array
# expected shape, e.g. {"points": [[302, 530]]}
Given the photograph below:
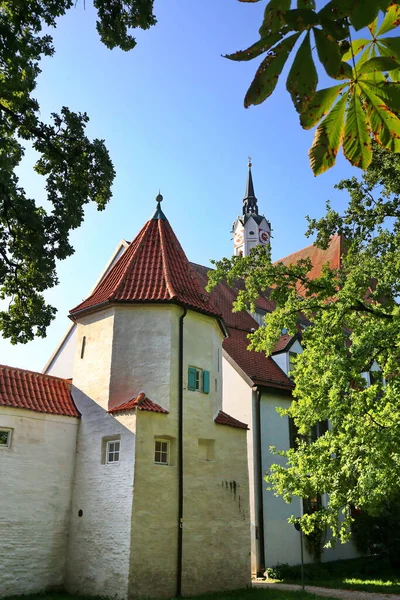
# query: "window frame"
{"points": [[293, 354], [167, 451], [9, 431], [113, 452]]}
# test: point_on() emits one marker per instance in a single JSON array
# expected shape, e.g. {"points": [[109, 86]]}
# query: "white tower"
{"points": [[250, 229]]}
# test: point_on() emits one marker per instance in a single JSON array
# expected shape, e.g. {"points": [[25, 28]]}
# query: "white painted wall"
{"points": [[99, 545], [36, 477], [239, 401]]}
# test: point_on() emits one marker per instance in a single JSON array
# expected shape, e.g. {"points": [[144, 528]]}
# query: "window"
{"points": [[112, 452], [317, 431], [198, 380], [5, 437], [161, 452], [206, 449], [83, 346], [259, 315]]}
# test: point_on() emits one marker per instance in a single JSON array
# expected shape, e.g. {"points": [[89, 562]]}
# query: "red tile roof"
{"points": [[319, 257], [141, 402], [154, 268], [282, 343], [223, 418], [34, 391], [258, 367]]}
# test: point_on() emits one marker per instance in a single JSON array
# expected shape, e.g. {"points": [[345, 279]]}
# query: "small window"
{"points": [[161, 452], [206, 449], [198, 380], [83, 346], [5, 437], [113, 451]]}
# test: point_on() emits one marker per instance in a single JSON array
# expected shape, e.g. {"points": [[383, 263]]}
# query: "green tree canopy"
{"points": [[355, 323], [77, 170], [366, 100]]}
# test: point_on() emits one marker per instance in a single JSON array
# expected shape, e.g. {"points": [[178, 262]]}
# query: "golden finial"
{"points": [[250, 163]]}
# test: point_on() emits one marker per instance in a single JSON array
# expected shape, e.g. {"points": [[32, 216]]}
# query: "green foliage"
{"points": [[77, 170], [379, 534], [355, 319], [369, 574], [355, 112]]}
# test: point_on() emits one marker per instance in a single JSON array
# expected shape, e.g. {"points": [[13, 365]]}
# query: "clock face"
{"points": [[238, 237], [263, 236]]}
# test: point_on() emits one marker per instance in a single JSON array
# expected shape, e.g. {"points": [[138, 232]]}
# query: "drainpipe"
{"points": [[180, 458], [260, 477]]}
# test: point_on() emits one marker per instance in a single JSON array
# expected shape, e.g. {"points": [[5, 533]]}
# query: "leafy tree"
{"points": [[355, 319], [77, 170], [367, 99]]}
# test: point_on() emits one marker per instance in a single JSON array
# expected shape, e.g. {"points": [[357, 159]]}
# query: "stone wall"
{"points": [[36, 477]]}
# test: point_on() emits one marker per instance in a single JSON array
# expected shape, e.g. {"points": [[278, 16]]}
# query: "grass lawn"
{"points": [[248, 594], [364, 574]]}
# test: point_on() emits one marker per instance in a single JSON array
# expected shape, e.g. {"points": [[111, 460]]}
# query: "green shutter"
{"points": [[206, 382], [192, 378]]}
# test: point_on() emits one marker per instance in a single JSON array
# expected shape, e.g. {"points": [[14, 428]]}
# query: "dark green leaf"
{"points": [[328, 138], [379, 63], [390, 47], [273, 14], [336, 10], [330, 56], [258, 48], [267, 74], [357, 142], [356, 47], [306, 4], [384, 4], [302, 79], [364, 13], [391, 20], [320, 106], [300, 19], [385, 125]]}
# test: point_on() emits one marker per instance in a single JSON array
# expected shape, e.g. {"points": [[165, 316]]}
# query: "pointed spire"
{"points": [[158, 213], [250, 200]]}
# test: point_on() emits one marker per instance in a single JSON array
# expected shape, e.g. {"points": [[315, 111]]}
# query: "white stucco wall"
{"points": [[62, 362], [36, 475], [99, 545], [238, 400]]}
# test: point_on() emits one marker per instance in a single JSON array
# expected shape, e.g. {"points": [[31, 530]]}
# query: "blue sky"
{"points": [[171, 113]]}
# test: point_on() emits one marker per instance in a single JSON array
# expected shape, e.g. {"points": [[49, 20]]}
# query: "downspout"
{"points": [[180, 458], [261, 560]]}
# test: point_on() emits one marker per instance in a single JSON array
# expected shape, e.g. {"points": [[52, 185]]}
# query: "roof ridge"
{"points": [[306, 248], [166, 270], [22, 370]]}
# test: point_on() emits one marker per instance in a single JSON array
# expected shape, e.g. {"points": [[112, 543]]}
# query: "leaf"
{"points": [[320, 106], [303, 78], [267, 74], [385, 125], [391, 20], [330, 57], [390, 47], [379, 63], [357, 145], [363, 13], [300, 19], [328, 138], [372, 26], [273, 20], [387, 91], [306, 4], [356, 48], [258, 48]]}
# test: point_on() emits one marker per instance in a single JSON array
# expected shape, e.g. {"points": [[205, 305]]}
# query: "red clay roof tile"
{"points": [[34, 391], [319, 257], [154, 268], [223, 418], [141, 402]]}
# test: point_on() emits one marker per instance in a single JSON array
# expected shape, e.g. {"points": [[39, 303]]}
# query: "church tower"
{"points": [[250, 229]]}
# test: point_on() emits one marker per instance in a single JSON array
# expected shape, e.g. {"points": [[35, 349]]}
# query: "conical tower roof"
{"points": [[154, 268]]}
